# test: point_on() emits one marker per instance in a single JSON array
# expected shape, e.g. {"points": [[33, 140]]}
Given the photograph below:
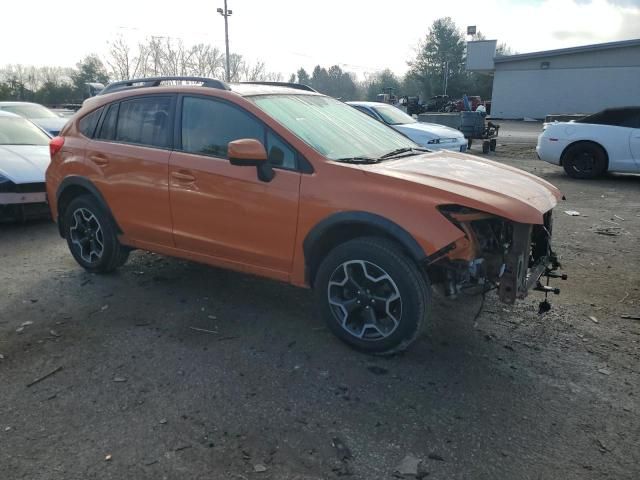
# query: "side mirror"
{"points": [[249, 152]]}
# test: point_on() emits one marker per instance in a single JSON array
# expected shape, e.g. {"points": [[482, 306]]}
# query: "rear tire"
{"points": [[584, 160], [372, 295], [92, 237], [492, 144], [485, 146]]}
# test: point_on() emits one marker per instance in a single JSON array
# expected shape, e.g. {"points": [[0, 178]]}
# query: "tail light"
{"points": [[55, 145]]}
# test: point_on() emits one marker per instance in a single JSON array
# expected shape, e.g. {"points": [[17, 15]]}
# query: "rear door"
{"points": [[129, 162]]}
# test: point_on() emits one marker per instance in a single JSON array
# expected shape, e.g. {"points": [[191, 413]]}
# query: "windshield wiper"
{"points": [[358, 160], [400, 151]]}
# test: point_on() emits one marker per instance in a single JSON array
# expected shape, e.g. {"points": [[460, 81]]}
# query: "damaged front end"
{"points": [[496, 253]]}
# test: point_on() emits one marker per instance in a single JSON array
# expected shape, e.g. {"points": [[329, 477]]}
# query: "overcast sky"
{"points": [[359, 35]]}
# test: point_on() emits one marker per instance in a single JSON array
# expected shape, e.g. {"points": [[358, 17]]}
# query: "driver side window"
{"points": [[209, 125]]}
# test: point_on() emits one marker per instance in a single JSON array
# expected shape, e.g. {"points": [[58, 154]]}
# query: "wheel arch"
{"points": [[592, 142], [344, 226], [72, 187]]}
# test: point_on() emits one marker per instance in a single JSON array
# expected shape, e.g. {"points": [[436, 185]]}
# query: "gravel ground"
{"points": [[264, 391]]}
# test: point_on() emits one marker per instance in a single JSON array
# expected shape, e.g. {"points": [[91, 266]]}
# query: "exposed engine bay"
{"points": [[496, 253]]}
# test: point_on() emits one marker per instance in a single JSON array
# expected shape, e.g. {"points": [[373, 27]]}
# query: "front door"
{"points": [[225, 211]]}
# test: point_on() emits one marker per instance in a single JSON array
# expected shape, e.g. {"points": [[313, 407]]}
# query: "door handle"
{"points": [[183, 177], [99, 160]]}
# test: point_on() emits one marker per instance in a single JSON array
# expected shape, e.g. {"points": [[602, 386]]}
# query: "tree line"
{"points": [[440, 59], [154, 57]]}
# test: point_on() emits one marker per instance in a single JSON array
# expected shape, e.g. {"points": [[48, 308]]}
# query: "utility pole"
{"points": [[446, 76], [226, 13]]}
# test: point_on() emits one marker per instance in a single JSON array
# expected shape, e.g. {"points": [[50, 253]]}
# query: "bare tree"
{"points": [[163, 56]]}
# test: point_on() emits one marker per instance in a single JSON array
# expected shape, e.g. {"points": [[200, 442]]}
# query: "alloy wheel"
{"points": [[364, 300], [86, 235]]}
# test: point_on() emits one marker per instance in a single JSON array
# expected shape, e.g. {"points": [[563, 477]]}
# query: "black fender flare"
{"points": [[77, 181], [358, 218]]}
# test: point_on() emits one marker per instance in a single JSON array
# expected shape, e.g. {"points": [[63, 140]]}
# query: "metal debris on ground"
{"points": [[46, 375], [107, 458], [604, 371], [212, 332], [572, 213], [592, 318], [630, 317], [610, 231], [258, 467], [119, 379]]}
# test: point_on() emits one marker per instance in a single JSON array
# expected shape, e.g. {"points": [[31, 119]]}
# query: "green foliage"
{"points": [[380, 81], [303, 77], [90, 69], [333, 82], [441, 56]]}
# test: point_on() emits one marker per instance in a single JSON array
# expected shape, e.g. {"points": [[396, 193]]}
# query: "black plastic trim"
{"points": [[366, 219], [88, 185], [156, 81]]}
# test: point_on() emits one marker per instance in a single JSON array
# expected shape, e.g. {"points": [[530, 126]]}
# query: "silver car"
{"points": [[428, 135], [38, 114]]}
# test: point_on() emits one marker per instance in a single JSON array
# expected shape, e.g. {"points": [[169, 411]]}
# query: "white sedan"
{"points": [[587, 148], [428, 135], [24, 157]]}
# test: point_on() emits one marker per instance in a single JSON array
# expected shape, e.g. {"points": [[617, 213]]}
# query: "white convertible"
{"points": [[586, 148]]}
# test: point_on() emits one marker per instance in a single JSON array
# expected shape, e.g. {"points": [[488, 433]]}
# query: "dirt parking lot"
{"points": [[172, 370]]}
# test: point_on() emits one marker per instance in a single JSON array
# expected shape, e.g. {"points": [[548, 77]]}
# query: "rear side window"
{"points": [[145, 121], [209, 125], [108, 127], [89, 122]]}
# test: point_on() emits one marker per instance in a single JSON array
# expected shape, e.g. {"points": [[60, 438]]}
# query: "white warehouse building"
{"points": [[582, 79]]}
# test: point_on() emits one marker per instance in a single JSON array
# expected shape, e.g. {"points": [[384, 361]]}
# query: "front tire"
{"points": [[585, 160], [91, 236], [372, 295]]}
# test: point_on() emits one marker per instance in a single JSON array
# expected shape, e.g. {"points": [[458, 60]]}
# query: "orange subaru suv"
{"points": [[280, 181]]}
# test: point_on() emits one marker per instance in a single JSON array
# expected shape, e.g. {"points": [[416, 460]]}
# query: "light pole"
{"points": [[226, 13]]}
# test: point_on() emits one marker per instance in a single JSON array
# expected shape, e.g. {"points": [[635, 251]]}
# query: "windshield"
{"points": [[18, 131], [30, 110], [393, 116], [332, 128]]}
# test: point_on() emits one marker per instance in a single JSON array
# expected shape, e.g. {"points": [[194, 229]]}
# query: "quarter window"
{"points": [[145, 121], [209, 125], [88, 123], [108, 127]]}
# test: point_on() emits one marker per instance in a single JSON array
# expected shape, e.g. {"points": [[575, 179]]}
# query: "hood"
{"points": [[433, 130], [473, 182], [51, 125], [24, 163]]}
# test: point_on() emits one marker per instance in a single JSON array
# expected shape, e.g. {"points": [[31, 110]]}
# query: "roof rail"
{"points": [[156, 81], [297, 86]]}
